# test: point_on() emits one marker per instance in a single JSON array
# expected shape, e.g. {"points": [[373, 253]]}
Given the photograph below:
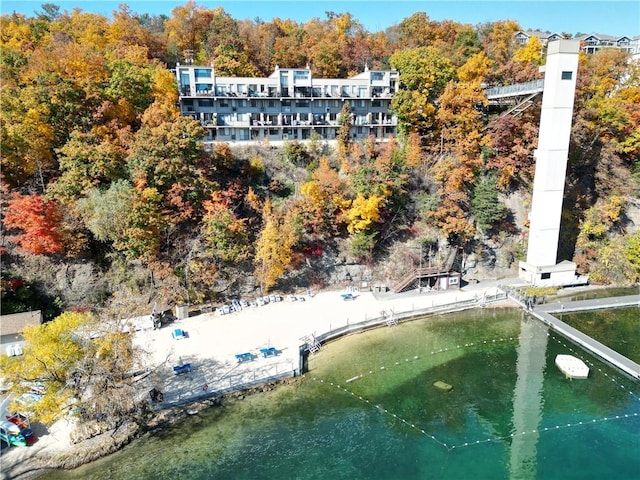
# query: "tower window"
{"points": [[567, 75]]}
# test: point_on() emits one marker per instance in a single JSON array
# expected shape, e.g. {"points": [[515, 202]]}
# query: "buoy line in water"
{"points": [[476, 442], [383, 368]]}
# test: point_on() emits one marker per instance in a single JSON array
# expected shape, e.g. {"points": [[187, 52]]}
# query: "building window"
{"points": [[545, 276], [567, 75], [453, 280], [205, 103], [300, 75], [203, 73], [377, 75]]}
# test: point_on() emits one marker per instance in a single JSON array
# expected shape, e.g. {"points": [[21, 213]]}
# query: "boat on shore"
{"points": [[572, 366]]}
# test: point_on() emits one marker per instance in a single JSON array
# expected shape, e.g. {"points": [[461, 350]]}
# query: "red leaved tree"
{"points": [[39, 221]]}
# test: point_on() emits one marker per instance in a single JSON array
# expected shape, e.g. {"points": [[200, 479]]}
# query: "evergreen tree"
{"points": [[486, 207]]}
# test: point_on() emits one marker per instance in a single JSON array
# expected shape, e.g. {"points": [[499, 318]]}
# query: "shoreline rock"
{"points": [[111, 441]]}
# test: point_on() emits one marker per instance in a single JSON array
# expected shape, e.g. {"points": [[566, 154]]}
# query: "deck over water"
{"points": [[543, 312]]}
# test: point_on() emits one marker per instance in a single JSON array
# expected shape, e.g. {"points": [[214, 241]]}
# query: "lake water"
{"points": [[618, 329], [510, 414]]}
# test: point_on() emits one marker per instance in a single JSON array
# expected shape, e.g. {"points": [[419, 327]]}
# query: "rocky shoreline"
{"points": [[105, 443]]}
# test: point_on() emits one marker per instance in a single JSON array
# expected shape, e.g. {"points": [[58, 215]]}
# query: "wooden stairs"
{"points": [[412, 279]]}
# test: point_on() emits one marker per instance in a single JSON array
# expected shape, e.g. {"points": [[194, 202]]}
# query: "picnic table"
{"points": [[244, 357], [185, 368], [178, 333], [268, 352]]}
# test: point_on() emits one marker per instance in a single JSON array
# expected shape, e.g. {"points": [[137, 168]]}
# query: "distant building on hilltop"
{"points": [[290, 104], [522, 37], [592, 43], [588, 43]]}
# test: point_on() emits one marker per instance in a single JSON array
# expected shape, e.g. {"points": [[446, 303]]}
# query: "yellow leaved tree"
{"points": [[274, 246], [75, 365], [363, 212]]}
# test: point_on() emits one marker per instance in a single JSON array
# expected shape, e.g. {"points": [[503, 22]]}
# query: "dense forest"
{"points": [[108, 192]]}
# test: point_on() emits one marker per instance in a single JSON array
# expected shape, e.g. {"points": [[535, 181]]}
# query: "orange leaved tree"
{"points": [[38, 220]]}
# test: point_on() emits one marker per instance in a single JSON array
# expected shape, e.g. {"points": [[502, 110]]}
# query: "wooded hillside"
{"points": [[105, 187]]}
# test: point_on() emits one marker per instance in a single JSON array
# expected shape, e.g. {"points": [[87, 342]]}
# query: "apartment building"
{"points": [[588, 43], [592, 43], [522, 37], [290, 104]]}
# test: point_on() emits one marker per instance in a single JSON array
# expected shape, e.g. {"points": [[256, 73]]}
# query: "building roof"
{"points": [[14, 323], [598, 36], [539, 33]]}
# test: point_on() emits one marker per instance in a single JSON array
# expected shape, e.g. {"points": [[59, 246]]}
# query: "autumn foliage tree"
{"points": [[225, 234], [274, 247], [82, 365], [424, 72], [37, 220]]}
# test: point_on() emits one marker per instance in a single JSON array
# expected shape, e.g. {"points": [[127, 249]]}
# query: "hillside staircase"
{"points": [[413, 279]]}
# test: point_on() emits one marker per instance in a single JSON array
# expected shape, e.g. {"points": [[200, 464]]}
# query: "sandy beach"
{"points": [[212, 342]]}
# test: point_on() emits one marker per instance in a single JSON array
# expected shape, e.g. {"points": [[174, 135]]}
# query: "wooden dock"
{"points": [[544, 313]]}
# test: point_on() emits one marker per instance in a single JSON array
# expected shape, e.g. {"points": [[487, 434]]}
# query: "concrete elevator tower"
{"points": [[561, 69]]}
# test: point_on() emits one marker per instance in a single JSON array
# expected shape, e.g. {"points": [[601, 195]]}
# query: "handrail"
{"points": [[515, 89]]}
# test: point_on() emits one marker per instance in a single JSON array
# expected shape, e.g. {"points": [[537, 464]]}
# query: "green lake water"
{"points": [[619, 329], [510, 415]]}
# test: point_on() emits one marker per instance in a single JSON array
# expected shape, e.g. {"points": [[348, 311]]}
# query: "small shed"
{"points": [[11, 328]]}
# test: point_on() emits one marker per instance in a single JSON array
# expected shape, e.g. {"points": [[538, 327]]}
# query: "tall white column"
{"points": [[553, 147]]}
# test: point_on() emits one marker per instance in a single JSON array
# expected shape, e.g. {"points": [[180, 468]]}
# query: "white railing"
{"points": [[515, 89]]}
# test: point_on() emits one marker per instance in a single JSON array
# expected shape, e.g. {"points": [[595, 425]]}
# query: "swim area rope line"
{"points": [[449, 447]]}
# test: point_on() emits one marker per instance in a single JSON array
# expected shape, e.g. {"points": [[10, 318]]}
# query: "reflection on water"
{"points": [[510, 414], [527, 398]]}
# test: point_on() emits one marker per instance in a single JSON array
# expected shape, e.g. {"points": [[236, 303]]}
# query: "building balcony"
{"points": [[388, 122], [186, 92]]}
